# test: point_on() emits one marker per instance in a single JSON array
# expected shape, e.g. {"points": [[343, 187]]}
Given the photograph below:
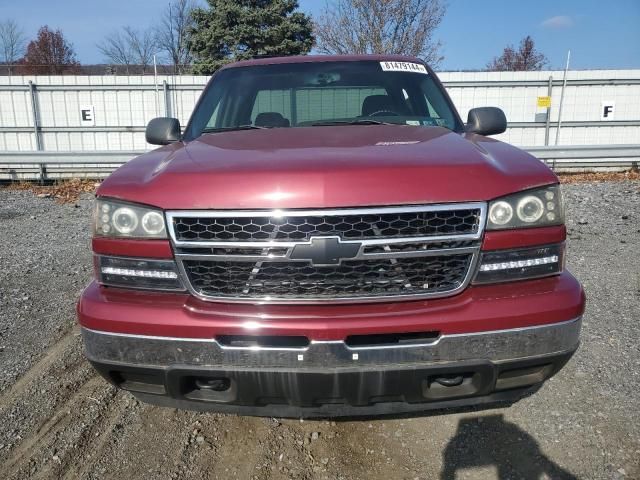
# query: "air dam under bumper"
{"points": [[330, 378]]}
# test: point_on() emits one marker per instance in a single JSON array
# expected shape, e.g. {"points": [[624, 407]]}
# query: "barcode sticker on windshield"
{"points": [[403, 67]]}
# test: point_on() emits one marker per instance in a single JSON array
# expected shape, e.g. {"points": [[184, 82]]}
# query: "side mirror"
{"points": [[486, 121], [163, 131]]}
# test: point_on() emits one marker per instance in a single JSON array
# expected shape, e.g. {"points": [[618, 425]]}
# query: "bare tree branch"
{"points": [[129, 47], [381, 26], [143, 46], [12, 43], [173, 31], [117, 50]]}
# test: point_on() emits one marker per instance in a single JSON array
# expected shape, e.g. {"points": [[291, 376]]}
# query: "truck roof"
{"points": [[322, 58]]}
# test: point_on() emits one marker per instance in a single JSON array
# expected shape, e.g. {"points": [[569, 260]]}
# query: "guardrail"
{"points": [[588, 157], [98, 164]]}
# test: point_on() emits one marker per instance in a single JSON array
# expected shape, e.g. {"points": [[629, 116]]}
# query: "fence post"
{"points": [[167, 99], [548, 124], [36, 126]]}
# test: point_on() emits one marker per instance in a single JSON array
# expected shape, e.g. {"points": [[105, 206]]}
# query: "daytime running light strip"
{"points": [[127, 272], [532, 262]]}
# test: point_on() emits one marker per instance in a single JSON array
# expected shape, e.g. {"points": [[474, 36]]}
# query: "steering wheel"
{"points": [[384, 113]]}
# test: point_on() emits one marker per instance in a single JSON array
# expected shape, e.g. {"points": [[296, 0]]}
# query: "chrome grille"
{"points": [[346, 255], [347, 226], [291, 280]]}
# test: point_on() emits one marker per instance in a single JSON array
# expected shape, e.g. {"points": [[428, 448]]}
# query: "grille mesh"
{"points": [[356, 278], [346, 226]]}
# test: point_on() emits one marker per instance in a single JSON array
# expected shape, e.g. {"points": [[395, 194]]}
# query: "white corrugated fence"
{"points": [[45, 113]]}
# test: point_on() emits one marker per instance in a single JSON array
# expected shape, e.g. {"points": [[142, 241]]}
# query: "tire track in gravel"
{"points": [[96, 440], [43, 447], [51, 356], [145, 442], [37, 409]]}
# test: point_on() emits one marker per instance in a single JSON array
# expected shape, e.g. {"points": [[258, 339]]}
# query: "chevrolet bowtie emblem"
{"points": [[325, 251]]}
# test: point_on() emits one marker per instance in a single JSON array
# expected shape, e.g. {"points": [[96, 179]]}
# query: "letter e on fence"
{"points": [[87, 117]]}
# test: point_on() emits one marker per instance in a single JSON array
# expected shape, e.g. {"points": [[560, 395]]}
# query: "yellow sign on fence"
{"points": [[544, 102]]}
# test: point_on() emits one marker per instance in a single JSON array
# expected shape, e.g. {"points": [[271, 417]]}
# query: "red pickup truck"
{"points": [[328, 238]]}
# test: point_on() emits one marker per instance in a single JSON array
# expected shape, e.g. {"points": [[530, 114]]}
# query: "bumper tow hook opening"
{"points": [[213, 384], [451, 381]]}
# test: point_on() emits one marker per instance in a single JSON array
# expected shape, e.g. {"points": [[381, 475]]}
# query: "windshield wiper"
{"points": [[361, 121], [230, 129]]}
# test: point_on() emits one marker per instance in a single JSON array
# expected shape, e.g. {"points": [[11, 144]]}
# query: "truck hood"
{"points": [[326, 167]]}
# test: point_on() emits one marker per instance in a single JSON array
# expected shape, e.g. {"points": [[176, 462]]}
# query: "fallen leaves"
{"points": [[67, 191], [599, 177]]}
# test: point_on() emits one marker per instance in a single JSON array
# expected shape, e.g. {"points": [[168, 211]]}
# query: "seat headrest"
{"points": [[377, 103], [271, 119]]}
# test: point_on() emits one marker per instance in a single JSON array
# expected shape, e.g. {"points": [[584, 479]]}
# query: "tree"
{"points": [[172, 34], [525, 58], [143, 44], [12, 43], [116, 50], [239, 29], [129, 46], [381, 26], [49, 54]]}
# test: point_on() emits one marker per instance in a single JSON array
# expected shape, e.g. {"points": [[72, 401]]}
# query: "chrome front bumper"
{"points": [[494, 346]]}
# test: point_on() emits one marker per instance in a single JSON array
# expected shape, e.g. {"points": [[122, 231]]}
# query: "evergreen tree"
{"points": [[231, 30]]}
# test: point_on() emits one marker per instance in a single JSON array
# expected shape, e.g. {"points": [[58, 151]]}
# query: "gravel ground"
{"points": [[60, 420]]}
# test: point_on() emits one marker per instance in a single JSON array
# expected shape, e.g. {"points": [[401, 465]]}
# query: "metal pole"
{"points": [[548, 124], [167, 99], [174, 96], [564, 84], [155, 81], [36, 126]]}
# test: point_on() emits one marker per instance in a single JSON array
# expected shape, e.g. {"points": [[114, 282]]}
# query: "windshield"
{"points": [[318, 94]]}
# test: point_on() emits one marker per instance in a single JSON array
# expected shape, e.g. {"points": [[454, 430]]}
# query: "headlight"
{"points": [[501, 213], [534, 208], [118, 219]]}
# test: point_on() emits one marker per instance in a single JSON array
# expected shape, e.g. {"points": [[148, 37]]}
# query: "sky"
{"points": [[600, 34]]}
